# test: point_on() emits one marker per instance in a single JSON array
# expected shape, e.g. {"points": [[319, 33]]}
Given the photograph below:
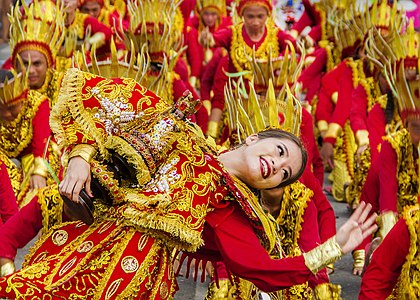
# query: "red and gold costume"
{"points": [[197, 55], [186, 199], [43, 25], [24, 138], [392, 273], [298, 232]]}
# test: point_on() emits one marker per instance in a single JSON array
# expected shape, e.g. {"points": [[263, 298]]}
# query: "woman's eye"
{"points": [[281, 151], [285, 174]]}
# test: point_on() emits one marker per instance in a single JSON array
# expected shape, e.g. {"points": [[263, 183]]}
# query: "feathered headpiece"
{"points": [[13, 90], [38, 26], [250, 112], [403, 71]]}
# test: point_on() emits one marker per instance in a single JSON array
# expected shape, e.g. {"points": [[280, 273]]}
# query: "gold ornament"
{"points": [[38, 26]]}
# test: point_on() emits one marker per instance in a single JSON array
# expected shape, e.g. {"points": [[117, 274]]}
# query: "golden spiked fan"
{"points": [[13, 89], [403, 73], [250, 112], [218, 5], [38, 26], [157, 24]]}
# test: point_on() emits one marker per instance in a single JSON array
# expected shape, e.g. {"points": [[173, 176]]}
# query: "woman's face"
{"points": [[269, 162], [255, 17]]}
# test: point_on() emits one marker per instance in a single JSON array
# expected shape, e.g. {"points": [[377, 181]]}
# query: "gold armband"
{"points": [[326, 253], [213, 129], [333, 130], [7, 269], [322, 125], [294, 33], [193, 81], [40, 168], [362, 138], [385, 222], [207, 106], [358, 259], [87, 152], [334, 97], [98, 39], [327, 291]]}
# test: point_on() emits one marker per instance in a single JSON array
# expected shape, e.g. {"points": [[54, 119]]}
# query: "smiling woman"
{"points": [[183, 195]]}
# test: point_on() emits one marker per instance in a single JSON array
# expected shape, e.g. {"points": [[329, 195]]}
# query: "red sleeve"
{"points": [[308, 138], [97, 26], [245, 257], [283, 37], [187, 6], [311, 76], [209, 71], [376, 124], [326, 215], [220, 80], [385, 267], [8, 203], [223, 37], [41, 127], [303, 22], [195, 53], [358, 109], [309, 239], [325, 106], [345, 89], [388, 178], [316, 33], [20, 229]]}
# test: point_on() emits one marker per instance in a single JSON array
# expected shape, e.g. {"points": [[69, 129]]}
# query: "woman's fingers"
{"points": [[358, 212]]}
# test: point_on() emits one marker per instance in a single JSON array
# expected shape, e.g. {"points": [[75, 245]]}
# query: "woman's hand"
{"points": [[357, 228], [37, 182], [77, 177]]}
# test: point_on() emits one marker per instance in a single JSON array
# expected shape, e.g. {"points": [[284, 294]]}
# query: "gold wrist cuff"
{"points": [[333, 130], [322, 125], [40, 168], [358, 258], [213, 129], [327, 291], [326, 253], [87, 152], [207, 106], [334, 97], [7, 269], [362, 137], [385, 222], [294, 33]]}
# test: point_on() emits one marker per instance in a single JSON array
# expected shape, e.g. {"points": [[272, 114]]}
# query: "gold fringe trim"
{"points": [[70, 99], [181, 236], [133, 158]]}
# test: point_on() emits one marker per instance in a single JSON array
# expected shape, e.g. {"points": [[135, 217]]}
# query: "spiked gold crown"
{"points": [[14, 90], [157, 24], [218, 5], [39, 26]]}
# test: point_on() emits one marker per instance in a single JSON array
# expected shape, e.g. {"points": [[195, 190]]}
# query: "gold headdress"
{"points": [[134, 67], [39, 27], [158, 24], [250, 112], [218, 5], [14, 90], [403, 73]]}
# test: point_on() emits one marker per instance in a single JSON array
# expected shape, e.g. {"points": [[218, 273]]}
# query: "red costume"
{"points": [[141, 242], [391, 272]]}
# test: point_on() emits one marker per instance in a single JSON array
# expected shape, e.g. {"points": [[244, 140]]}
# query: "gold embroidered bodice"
{"points": [[240, 51], [16, 135], [407, 176]]}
